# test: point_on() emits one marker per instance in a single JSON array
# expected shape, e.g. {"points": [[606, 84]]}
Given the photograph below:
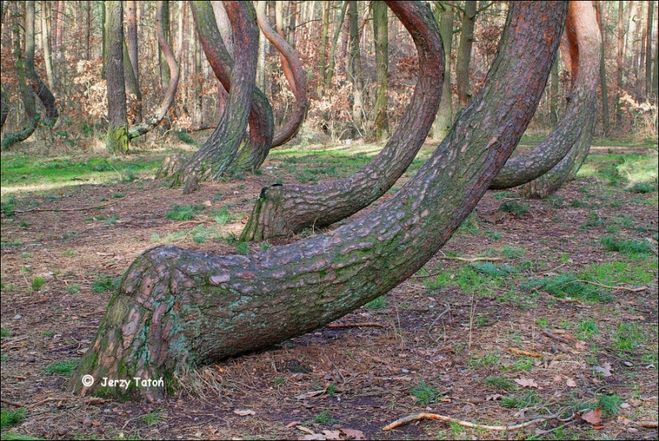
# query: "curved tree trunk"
{"points": [[296, 77], [27, 96], [173, 70], [283, 210], [38, 86], [177, 309], [583, 39], [116, 140], [221, 148], [252, 149]]}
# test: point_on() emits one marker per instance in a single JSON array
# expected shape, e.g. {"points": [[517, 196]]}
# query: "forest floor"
{"points": [[558, 316]]}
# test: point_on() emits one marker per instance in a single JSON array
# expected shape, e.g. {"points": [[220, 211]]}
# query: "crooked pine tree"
{"points": [[173, 76], [584, 41], [282, 210], [574, 129], [223, 157], [221, 148], [295, 76], [176, 308]]}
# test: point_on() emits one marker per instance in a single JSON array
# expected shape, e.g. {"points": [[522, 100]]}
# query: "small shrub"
{"points": [[424, 393], [104, 283], [643, 187], [37, 283], [184, 212], [62, 367], [610, 404], [8, 207], [500, 383], [377, 303], [515, 208], [629, 247], [325, 418], [10, 418]]}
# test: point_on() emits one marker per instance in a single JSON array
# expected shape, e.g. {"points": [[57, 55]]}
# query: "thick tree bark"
{"points": [[39, 88], [464, 52], [263, 50], [252, 151], [604, 90], [27, 96], [45, 44], [335, 42], [355, 67], [583, 39], [296, 78], [221, 148], [172, 67], [444, 119], [177, 309], [132, 84], [4, 107], [282, 210], [381, 41], [116, 140]]}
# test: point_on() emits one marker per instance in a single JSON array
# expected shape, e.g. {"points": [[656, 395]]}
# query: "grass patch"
{"points": [[152, 418], [221, 216], [484, 360], [568, 285], [8, 206], [37, 283], [324, 418], [104, 283], [424, 393], [521, 400], [62, 367], [628, 247], [610, 404], [184, 212], [620, 273], [492, 269], [587, 329], [74, 288], [377, 303], [515, 208], [500, 383], [4, 332], [185, 137], [628, 338], [10, 418]]}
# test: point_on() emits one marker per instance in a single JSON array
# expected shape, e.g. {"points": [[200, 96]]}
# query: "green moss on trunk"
{"points": [[116, 140]]}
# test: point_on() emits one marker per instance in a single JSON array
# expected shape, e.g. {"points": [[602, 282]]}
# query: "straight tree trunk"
{"points": [[45, 44], [58, 25], [655, 73], [619, 60], [335, 42], [260, 68], [464, 52], [88, 30], [39, 88], [104, 46], [163, 18], [178, 309], [132, 54], [355, 67], [172, 68], [381, 41], [324, 37], [575, 127], [282, 210], [132, 85], [279, 18], [27, 96], [116, 140], [606, 125], [292, 20], [221, 148], [444, 119], [198, 103], [648, 49], [296, 78]]}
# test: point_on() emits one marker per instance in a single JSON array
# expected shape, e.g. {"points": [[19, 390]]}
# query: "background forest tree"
{"points": [[360, 66]]}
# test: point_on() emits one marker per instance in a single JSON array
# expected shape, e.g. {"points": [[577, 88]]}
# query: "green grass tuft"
{"points": [[515, 208], [424, 393], [628, 247], [62, 367], [10, 418], [568, 285], [38, 283], [184, 212], [104, 283]]}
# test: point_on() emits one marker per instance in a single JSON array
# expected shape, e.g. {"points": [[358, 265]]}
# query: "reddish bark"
{"points": [[177, 309], [282, 210], [296, 77]]}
